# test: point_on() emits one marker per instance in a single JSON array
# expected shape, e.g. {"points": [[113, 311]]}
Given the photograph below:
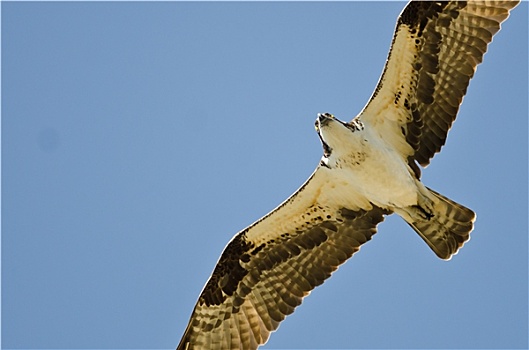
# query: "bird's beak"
{"points": [[323, 119]]}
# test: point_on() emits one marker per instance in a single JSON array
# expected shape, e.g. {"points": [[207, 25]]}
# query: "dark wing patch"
{"points": [[228, 272], [450, 39], [253, 288], [454, 40]]}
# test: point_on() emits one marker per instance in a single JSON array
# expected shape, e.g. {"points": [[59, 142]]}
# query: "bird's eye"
{"points": [[350, 126]]}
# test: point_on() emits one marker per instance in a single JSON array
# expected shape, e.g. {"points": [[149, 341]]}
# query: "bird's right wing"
{"points": [[267, 269]]}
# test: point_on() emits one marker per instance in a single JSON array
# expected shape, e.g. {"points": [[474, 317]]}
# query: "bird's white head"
{"points": [[336, 137]]}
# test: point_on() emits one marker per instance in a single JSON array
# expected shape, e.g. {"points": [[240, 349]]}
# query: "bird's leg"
{"points": [[423, 209]]}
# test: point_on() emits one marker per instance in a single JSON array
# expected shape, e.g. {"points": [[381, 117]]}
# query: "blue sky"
{"points": [[138, 138]]}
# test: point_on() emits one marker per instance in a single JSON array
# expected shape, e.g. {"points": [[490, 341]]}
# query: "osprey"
{"points": [[370, 168]]}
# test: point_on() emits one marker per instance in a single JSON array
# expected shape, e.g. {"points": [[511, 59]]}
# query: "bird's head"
{"points": [[336, 136]]}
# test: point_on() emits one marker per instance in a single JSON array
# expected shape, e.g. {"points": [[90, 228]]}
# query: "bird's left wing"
{"points": [[436, 48], [267, 269]]}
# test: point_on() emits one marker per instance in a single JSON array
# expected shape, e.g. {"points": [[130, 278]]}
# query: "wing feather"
{"points": [[267, 269], [434, 54]]}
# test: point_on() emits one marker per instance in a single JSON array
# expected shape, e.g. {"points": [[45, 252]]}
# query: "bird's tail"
{"points": [[448, 228]]}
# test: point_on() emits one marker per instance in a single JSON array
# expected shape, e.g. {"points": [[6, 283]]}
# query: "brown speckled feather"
{"points": [[261, 278], [436, 49]]}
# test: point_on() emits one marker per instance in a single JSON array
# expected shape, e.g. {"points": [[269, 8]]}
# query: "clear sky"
{"points": [[138, 138]]}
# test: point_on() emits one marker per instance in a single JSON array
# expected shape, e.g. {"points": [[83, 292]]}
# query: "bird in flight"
{"points": [[370, 168]]}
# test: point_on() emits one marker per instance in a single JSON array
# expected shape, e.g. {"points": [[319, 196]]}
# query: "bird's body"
{"points": [[370, 168], [367, 167], [369, 171]]}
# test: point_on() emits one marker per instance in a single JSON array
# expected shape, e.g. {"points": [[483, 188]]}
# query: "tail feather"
{"points": [[449, 227]]}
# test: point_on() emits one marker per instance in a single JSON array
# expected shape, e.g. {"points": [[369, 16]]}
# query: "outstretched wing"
{"points": [[267, 269], [434, 54]]}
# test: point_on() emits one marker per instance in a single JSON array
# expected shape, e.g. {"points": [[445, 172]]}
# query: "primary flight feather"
{"points": [[370, 168]]}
